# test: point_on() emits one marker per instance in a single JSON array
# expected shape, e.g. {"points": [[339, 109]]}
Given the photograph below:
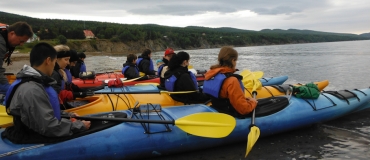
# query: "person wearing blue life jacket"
{"points": [[10, 37], [72, 62], [145, 63], [179, 78], [80, 65], [34, 104], [225, 88], [163, 66], [61, 87], [130, 70]]}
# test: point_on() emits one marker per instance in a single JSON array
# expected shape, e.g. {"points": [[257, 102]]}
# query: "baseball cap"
{"points": [[168, 51]]}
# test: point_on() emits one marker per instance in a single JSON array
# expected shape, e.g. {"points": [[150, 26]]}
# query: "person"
{"points": [[65, 94], [179, 78], [225, 88], [80, 65], [34, 105], [72, 63], [145, 63], [10, 37], [163, 67], [130, 70]]}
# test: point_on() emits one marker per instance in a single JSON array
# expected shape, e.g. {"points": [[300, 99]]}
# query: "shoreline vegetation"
{"points": [[119, 39]]}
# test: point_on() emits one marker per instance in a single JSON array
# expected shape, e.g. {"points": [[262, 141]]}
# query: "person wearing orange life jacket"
{"points": [[34, 104], [225, 87], [10, 37]]}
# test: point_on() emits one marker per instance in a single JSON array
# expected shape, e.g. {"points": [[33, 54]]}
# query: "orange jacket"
{"points": [[231, 90]]}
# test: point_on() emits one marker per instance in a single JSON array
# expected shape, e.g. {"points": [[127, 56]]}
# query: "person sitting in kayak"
{"points": [[34, 104], [164, 66], [65, 93], [179, 78], [80, 65], [145, 63], [72, 63], [225, 87], [130, 70]]}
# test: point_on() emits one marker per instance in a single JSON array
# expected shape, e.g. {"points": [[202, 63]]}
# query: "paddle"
{"points": [[254, 132], [204, 124]]}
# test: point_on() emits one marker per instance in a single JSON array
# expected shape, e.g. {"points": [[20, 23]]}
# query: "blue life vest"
{"points": [[82, 67], [160, 68], [170, 82], [69, 75], [128, 66], [213, 86], [151, 66], [53, 96]]}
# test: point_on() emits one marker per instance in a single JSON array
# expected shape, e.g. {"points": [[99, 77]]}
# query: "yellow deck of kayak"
{"points": [[112, 102]]}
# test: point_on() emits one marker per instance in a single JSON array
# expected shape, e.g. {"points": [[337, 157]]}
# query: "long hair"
{"points": [[225, 57], [177, 60]]}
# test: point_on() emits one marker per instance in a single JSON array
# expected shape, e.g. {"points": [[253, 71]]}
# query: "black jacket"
{"points": [[161, 85], [185, 83], [144, 66], [131, 73], [75, 70], [57, 77]]}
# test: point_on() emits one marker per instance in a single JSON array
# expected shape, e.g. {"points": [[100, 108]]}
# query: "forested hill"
{"points": [[180, 37]]}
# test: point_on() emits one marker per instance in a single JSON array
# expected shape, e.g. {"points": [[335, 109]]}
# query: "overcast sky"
{"points": [[340, 16]]}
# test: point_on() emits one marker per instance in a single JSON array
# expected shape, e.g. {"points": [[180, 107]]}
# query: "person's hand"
{"points": [[87, 124], [73, 114]]}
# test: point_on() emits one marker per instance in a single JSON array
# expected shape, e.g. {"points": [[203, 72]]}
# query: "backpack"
{"points": [[307, 91]]}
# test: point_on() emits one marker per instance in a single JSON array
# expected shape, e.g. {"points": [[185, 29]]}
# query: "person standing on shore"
{"points": [[10, 37]]}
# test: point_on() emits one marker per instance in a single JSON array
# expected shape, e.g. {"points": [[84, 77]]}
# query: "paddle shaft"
{"points": [[122, 120]]}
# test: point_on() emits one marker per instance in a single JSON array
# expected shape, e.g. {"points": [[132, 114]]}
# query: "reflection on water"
{"points": [[347, 144]]}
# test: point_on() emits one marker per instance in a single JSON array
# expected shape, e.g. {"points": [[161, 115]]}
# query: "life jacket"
{"points": [[124, 69], [82, 67], [170, 82], [19, 132], [160, 68], [151, 66], [69, 75], [213, 88], [53, 96], [4, 33]]}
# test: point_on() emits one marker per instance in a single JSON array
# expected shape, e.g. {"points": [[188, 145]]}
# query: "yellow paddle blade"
{"points": [[190, 66], [141, 74], [5, 119], [207, 124], [252, 138], [147, 83], [251, 79]]}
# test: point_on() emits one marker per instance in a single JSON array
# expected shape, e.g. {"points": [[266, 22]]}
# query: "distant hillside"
{"points": [[157, 37], [365, 35]]}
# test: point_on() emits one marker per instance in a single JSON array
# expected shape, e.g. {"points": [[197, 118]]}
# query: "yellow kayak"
{"points": [[112, 102]]}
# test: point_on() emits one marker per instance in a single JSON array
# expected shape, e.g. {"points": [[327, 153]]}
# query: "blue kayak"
{"points": [[129, 140], [154, 89]]}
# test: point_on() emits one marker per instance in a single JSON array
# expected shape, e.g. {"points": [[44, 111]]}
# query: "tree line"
{"points": [[183, 37]]}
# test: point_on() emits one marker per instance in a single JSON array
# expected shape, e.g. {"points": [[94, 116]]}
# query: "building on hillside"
{"points": [[33, 38], [89, 34]]}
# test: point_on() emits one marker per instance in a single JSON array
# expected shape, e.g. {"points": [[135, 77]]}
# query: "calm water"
{"points": [[345, 64]]}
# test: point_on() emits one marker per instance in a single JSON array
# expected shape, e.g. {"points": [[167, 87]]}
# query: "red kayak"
{"points": [[91, 80]]}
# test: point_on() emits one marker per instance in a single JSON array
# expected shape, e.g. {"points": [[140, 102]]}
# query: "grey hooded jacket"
{"points": [[3, 51], [31, 102]]}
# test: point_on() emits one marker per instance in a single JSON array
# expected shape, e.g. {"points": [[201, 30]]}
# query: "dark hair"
{"points": [[74, 56], [21, 29], [40, 52], [225, 57], [146, 53], [177, 60], [131, 57], [81, 55]]}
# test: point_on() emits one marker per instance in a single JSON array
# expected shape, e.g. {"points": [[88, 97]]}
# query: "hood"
{"points": [[128, 64], [29, 72], [212, 72]]}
